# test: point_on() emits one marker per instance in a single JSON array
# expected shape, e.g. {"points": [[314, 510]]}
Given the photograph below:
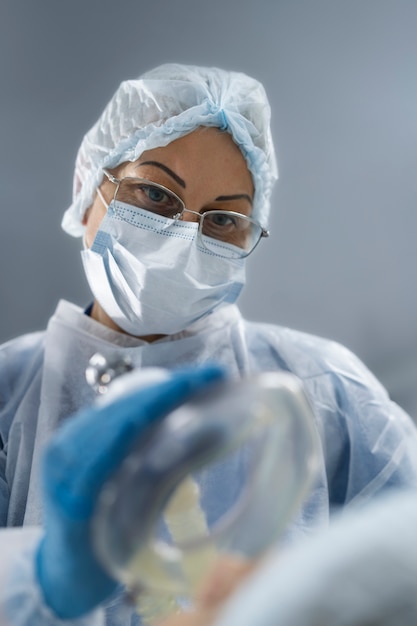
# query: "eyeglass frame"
{"points": [[117, 181]]}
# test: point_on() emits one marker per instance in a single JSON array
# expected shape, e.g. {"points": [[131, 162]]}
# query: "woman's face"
{"points": [[205, 169]]}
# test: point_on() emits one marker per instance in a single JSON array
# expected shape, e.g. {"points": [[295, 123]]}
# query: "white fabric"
{"points": [[369, 444], [151, 276], [165, 104], [363, 571]]}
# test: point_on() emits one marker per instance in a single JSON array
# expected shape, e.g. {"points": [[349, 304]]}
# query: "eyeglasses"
{"points": [[242, 233]]}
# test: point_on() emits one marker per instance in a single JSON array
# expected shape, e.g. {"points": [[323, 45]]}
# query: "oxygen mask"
{"points": [[223, 474]]}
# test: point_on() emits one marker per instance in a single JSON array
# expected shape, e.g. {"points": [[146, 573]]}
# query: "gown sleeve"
{"points": [[21, 598], [369, 442]]}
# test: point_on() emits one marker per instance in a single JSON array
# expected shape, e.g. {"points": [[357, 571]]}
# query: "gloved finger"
{"points": [[91, 445]]}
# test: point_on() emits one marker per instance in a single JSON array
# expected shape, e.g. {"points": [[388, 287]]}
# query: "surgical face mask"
{"points": [[150, 274]]}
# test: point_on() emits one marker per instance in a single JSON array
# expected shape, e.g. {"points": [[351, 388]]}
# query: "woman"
{"points": [[171, 194]]}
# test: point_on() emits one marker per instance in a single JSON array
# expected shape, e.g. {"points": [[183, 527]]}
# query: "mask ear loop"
{"points": [[100, 195]]}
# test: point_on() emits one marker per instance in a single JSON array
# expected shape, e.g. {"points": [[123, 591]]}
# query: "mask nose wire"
{"points": [[178, 216]]}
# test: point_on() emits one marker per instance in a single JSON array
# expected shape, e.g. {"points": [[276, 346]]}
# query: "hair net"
{"points": [[165, 104]]}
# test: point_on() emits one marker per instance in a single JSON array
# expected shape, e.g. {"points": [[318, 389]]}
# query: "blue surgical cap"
{"points": [[165, 104]]}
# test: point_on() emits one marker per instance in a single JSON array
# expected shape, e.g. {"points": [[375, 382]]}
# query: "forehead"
{"points": [[203, 152]]}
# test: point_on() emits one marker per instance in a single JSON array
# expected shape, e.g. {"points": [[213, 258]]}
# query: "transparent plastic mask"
{"points": [[222, 475]]}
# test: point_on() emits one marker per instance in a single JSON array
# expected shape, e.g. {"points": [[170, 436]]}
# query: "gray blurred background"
{"points": [[342, 81]]}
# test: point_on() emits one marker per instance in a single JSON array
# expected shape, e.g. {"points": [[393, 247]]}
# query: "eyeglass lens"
{"points": [[215, 226]]}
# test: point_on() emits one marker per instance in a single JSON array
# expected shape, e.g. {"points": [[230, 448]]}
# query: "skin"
{"points": [[228, 572], [206, 169]]}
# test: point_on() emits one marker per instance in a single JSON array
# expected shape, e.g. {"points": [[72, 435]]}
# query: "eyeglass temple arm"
{"points": [[110, 176]]}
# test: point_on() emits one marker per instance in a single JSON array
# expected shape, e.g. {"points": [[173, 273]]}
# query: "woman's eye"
{"points": [[221, 219], [155, 194]]}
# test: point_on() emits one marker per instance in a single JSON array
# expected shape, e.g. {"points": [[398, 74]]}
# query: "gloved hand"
{"points": [[81, 456]]}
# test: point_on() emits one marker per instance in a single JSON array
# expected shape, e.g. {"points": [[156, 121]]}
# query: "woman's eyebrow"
{"points": [[236, 196], [166, 169]]}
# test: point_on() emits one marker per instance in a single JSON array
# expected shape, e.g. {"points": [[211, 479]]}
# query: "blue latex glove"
{"points": [[81, 456]]}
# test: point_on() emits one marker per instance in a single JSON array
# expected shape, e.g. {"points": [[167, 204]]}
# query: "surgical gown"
{"points": [[368, 443]]}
